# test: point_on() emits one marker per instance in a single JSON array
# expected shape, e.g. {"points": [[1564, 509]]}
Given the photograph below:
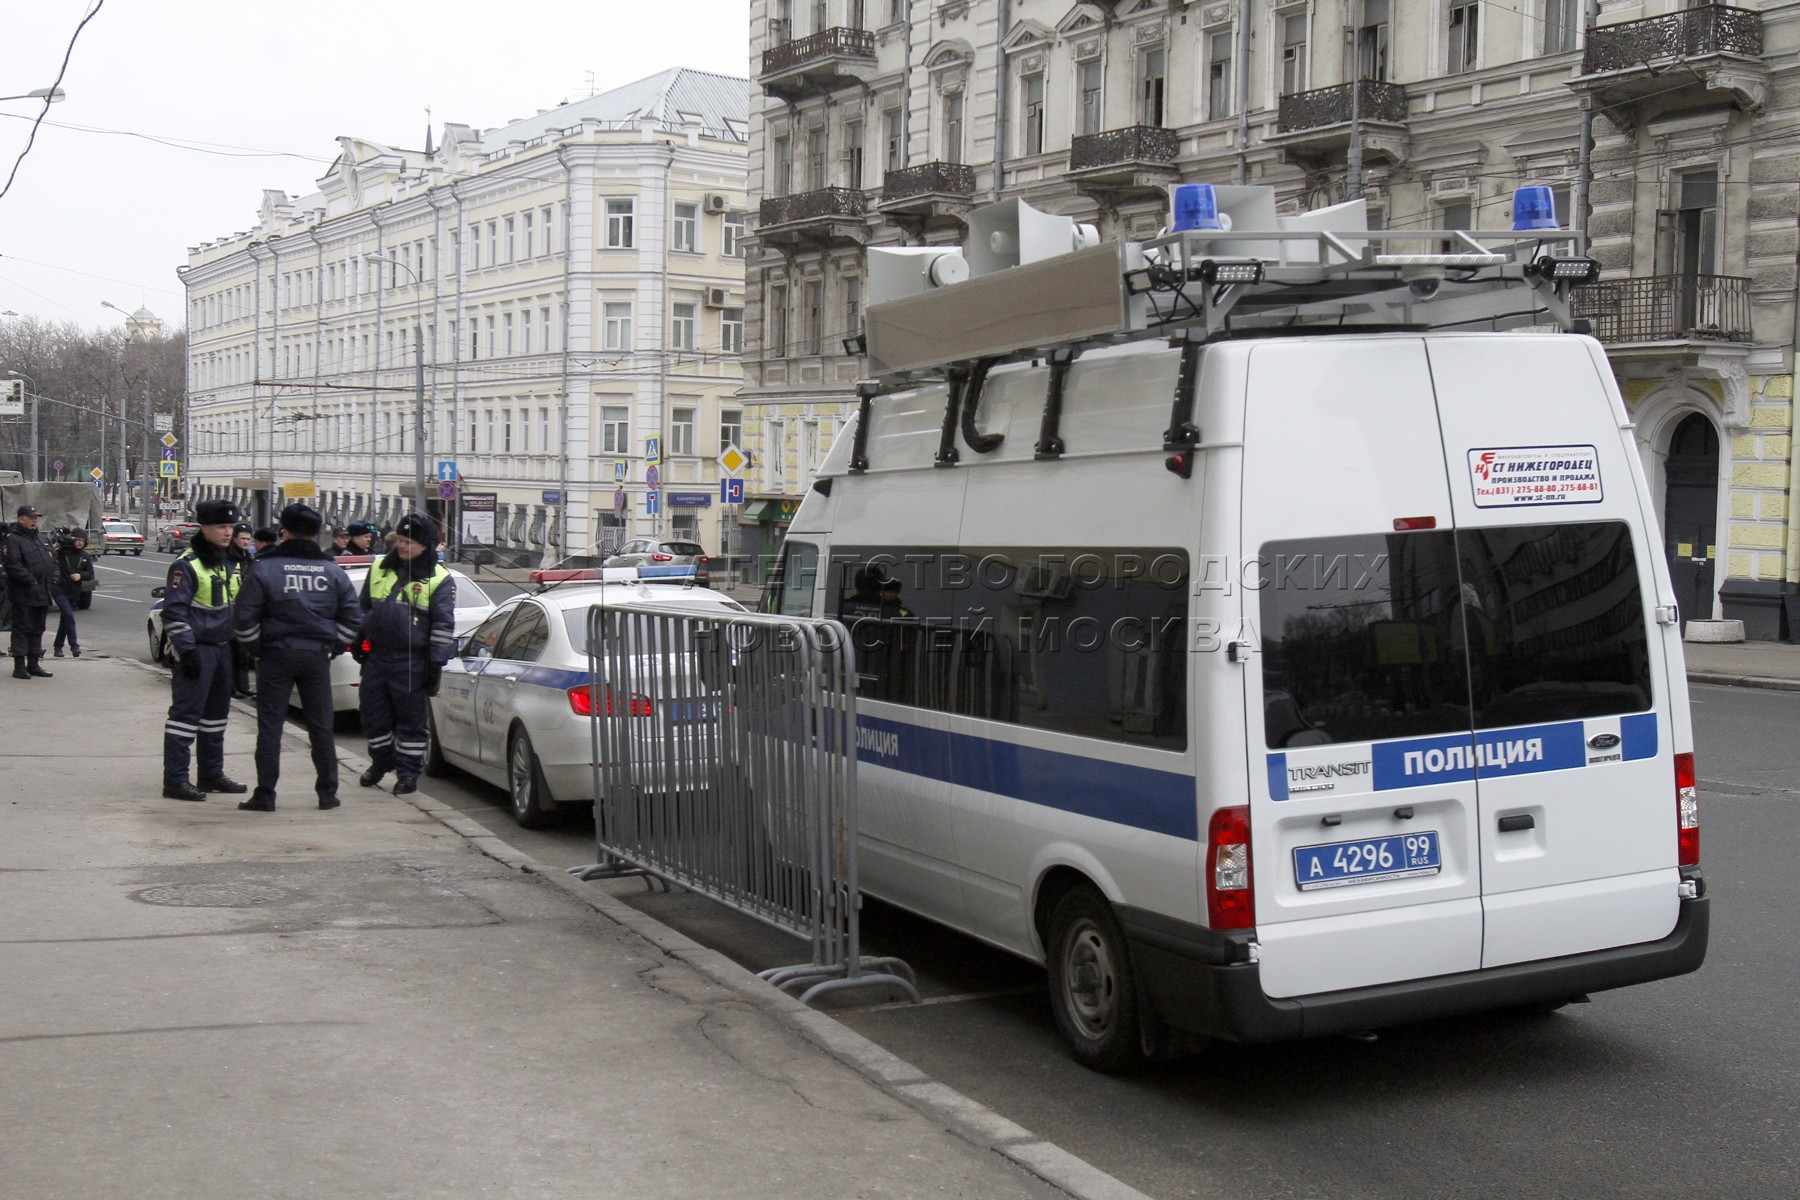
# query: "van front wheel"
{"points": [[1092, 991]]}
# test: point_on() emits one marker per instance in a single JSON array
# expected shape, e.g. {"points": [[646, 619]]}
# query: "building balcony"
{"points": [[1692, 58], [929, 190], [1316, 125], [819, 62], [1688, 326], [821, 218], [1138, 158]]}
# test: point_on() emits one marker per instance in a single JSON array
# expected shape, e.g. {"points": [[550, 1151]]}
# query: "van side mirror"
{"points": [[157, 592]]}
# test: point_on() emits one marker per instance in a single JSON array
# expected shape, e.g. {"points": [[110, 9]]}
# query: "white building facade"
{"points": [[882, 122], [574, 283]]}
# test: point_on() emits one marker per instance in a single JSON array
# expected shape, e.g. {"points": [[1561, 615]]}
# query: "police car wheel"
{"points": [[436, 765], [531, 804], [1093, 994]]}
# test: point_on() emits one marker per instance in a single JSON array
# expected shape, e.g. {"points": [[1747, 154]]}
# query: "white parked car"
{"points": [[515, 705]]}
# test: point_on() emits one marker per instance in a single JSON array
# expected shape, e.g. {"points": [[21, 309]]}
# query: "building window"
{"points": [[731, 330], [512, 240], [474, 253], [681, 325], [525, 331], [1465, 37], [815, 158], [1456, 214], [525, 219], [1218, 74], [733, 244], [508, 319], [681, 431], [488, 420], [731, 428], [615, 430], [1560, 17], [853, 154], [615, 325], [619, 215], [776, 323], [493, 243], [858, 14], [1372, 41], [893, 133], [953, 128], [543, 431], [1293, 54], [852, 306], [1031, 114], [815, 317], [491, 344], [544, 218], [506, 431], [544, 328], [1091, 77], [781, 180], [1152, 84], [687, 228]]}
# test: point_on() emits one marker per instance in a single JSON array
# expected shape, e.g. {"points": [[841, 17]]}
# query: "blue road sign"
{"points": [[552, 497], [731, 490], [652, 504], [447, 490], [652, 475], [446, 470]]}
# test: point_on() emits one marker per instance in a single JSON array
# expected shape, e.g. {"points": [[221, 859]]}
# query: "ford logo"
{"points": [[1603, 741]]}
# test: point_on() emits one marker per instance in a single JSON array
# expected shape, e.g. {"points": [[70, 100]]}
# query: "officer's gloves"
{"points": [[190, 664], [358, 653], [434, 675]]}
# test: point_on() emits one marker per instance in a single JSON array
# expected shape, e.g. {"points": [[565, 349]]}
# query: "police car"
{"points": [[472, 606], [516, 704], [1272, 637]]}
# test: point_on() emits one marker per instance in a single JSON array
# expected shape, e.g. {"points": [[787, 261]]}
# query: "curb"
{"points": [[1766, 682], [967, 1119]]}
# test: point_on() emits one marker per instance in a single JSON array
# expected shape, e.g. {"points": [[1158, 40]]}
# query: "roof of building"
{"points": [[673, 99]]}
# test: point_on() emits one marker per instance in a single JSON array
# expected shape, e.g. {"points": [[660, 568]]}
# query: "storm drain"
{"points": [[210, 895]]}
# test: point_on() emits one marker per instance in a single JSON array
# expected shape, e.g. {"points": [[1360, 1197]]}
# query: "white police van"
{"points": [[1263, 627]]}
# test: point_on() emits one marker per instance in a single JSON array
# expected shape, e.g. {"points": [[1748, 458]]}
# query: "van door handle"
{"points": [[1517, 822]]}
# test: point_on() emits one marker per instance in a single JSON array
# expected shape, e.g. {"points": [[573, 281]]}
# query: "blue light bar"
{"points": [[1534, 207], [1195, 206]]}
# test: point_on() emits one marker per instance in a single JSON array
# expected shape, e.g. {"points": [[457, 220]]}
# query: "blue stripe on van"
{"points": [[1278, 787], [1639, 736], [1140, 797]]}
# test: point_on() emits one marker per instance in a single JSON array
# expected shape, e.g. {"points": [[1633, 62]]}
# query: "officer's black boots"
{"points": [[329, 802], [405, 787], [224, 785], [182, 790], [371, 777], [32, 668], [19, 671], [257, 804]]}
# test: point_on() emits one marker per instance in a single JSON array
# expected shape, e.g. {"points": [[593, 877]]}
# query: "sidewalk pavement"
{"points": [[387, 1001], [1745, 664]]}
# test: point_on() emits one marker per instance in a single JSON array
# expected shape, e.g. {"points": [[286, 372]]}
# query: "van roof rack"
{"points": [[1323, 271]]}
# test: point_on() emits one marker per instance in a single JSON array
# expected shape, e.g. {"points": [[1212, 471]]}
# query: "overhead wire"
{"points": [[49, 98]]}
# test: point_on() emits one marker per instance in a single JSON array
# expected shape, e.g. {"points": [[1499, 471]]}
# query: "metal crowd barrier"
{"points": [[725, 752]]}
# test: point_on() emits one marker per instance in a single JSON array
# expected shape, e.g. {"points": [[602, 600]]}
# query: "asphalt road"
{"points": [[1687, 1086]]}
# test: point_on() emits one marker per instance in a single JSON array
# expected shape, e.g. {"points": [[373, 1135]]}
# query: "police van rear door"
{"points": [[1574, 774], [1362, 876]]}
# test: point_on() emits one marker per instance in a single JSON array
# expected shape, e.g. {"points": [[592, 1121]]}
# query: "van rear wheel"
{"points": [[1092, 991]]}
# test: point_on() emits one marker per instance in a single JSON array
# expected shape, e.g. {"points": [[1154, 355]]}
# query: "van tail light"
{"points": [[1687, 812], [581, 702], [1230, 902]]}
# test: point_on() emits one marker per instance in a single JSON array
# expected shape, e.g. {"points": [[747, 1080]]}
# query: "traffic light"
{"points": [[12, 392]]}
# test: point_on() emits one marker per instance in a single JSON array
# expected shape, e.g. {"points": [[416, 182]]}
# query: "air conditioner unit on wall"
{"points": [[717, 297], [716, 202]]}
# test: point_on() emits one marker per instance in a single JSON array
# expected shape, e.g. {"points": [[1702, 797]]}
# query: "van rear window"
{"points": [[1086, 641], [1399, 635]]}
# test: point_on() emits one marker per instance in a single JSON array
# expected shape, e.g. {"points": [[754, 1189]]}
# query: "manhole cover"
{"points": [[211, 895]]}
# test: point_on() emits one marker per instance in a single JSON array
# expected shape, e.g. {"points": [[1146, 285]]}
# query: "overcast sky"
{"points": [[267, 88]]}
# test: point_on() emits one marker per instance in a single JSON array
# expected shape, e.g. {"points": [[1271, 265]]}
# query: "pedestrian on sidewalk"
{"points": [[199, 619], [74, 575], [297, 612], [31, 590], [408, 634]]}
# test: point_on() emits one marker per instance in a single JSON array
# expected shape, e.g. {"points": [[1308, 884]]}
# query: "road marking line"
{"points": [[120, 570], [126, 599]]}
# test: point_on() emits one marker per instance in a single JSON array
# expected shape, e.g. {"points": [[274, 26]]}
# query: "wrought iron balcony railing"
{"points": [[1709, 29], [1377, 100], [807, 206], [1667, 308], [1121, 147], [827, 43], [929, 179]]}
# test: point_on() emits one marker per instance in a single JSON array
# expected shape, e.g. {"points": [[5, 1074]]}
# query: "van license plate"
{"points": [[1340, 864]]}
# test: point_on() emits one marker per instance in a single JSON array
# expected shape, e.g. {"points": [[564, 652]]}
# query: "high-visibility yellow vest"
{"points": [[225, 579], [416, 593]]}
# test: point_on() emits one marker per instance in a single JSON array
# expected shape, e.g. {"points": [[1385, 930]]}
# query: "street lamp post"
{"points": [[34, 421], [124, 453], [418, 382]]}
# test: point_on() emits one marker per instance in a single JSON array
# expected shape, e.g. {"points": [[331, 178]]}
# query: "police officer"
{"points": [[30, 587], [362, 538], [340, 542], [198, 615], [297, 612], [409, 627]]}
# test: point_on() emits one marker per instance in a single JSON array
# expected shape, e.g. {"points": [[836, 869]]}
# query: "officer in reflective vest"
{"points": [[409, 633], [199, 621]]}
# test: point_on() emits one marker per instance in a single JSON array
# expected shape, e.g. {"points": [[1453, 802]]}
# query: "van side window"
{"points": [[789, 591], [1086, 641], [1406, 634]]}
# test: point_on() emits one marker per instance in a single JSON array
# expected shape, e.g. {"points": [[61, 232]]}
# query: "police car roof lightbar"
{"points": [[1231, 268], [671, 574]]}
